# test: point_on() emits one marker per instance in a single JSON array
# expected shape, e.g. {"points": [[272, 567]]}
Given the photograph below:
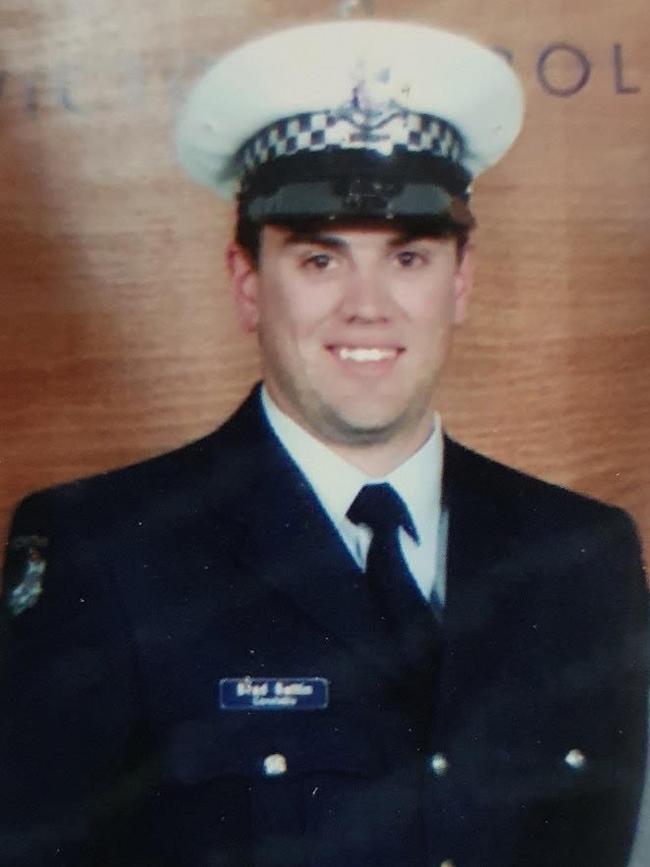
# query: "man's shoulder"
{"points": [[579, 545], [173, 480], [538, 502], [87, 520], [126, 487]]}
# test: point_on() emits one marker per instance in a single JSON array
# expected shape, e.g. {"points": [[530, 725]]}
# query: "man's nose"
{"points": [[365, 297]]}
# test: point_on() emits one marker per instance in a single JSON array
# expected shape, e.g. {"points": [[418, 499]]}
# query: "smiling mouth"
{"points": [[366, 354]]}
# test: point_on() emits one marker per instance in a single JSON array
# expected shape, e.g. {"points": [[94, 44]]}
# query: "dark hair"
{"points": [[248, 234]]}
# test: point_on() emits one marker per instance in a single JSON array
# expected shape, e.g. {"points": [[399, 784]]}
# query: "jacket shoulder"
{"points": [[63, 521], [73, 525], [529, 492], [584, 550], [543, 519], [153, 484], [112, 495]]}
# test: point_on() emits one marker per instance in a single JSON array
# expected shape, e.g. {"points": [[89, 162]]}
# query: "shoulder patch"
{"points": [[26, 565]]}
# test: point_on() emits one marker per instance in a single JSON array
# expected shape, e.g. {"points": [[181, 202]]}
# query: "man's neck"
{"points": [[377, 460], [373, 459]]}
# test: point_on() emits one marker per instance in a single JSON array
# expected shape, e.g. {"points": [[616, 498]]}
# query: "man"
{"points": [[327, 634]]}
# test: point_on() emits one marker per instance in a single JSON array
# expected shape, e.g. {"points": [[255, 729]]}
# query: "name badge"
{"points": [[273, 693]]}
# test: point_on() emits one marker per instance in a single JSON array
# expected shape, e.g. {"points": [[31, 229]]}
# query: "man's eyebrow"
{"points": [[315, 237]]}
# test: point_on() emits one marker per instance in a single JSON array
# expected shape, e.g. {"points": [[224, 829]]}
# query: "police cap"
{"points": [[367, 119]]}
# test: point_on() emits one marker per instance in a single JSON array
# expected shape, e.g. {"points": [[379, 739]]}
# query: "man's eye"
{"points": [[319, 261], [409, 258]]}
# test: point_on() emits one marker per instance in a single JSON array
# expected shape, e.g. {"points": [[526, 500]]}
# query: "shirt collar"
{"points": [[337, 482]]}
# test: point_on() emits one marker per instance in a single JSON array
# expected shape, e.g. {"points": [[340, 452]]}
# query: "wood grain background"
{"points": [[117, 339]]}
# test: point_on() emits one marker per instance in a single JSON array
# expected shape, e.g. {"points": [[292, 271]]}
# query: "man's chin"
{"points": [[363, 429]]}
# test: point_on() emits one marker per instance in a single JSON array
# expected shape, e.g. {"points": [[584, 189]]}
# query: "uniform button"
{"points": [[575, 759], [275, 765], [439, 765], [447, 863]]}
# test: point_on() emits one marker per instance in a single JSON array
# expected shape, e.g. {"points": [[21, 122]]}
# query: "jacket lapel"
{"points": [[480, 576], [283, 536], [478, 525], [280, 533]]}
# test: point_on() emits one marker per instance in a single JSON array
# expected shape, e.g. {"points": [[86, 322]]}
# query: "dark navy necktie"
{"points": [[408, 617]]}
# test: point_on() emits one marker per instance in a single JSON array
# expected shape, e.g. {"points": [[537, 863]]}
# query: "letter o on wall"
{"points": [[584, 69]]}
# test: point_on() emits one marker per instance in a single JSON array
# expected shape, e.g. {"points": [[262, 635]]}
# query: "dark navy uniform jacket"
{"points": [[216, 561]]}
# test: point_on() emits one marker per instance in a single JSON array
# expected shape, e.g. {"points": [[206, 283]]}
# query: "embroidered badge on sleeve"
{"points": [[26, 565]]}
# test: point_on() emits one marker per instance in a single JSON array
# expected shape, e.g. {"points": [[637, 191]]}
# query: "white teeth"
{"points": [[360, 354]]}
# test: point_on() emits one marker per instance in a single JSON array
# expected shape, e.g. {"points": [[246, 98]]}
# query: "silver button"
{"points": [[275, 765], [575, 759], [447, 863], [439, 765]]}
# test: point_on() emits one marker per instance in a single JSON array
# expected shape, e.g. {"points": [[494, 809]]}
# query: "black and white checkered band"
{"points": [[406, 130]]}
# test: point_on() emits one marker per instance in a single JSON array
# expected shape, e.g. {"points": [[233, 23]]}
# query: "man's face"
{"points": [[354, 325]]}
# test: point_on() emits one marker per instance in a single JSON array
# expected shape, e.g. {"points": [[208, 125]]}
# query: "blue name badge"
{"points": [[273, 693]]}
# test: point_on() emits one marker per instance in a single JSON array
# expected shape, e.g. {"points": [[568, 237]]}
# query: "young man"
{"points": [[327, 634]]}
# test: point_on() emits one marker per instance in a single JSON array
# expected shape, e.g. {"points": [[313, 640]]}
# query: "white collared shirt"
{"points": [[336, 483]]}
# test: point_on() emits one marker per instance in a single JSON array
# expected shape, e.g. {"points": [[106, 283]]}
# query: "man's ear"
{"points": [[463, 283], [244, 285]]}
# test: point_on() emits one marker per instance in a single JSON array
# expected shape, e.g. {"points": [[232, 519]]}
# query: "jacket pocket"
{"points": [[288, 771], [271, 746]]}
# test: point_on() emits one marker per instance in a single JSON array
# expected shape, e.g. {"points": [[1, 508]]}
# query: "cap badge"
{"points": [[372, 104]]}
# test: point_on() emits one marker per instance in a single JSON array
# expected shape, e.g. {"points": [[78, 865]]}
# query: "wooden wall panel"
{"points": [[116, 335]]}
